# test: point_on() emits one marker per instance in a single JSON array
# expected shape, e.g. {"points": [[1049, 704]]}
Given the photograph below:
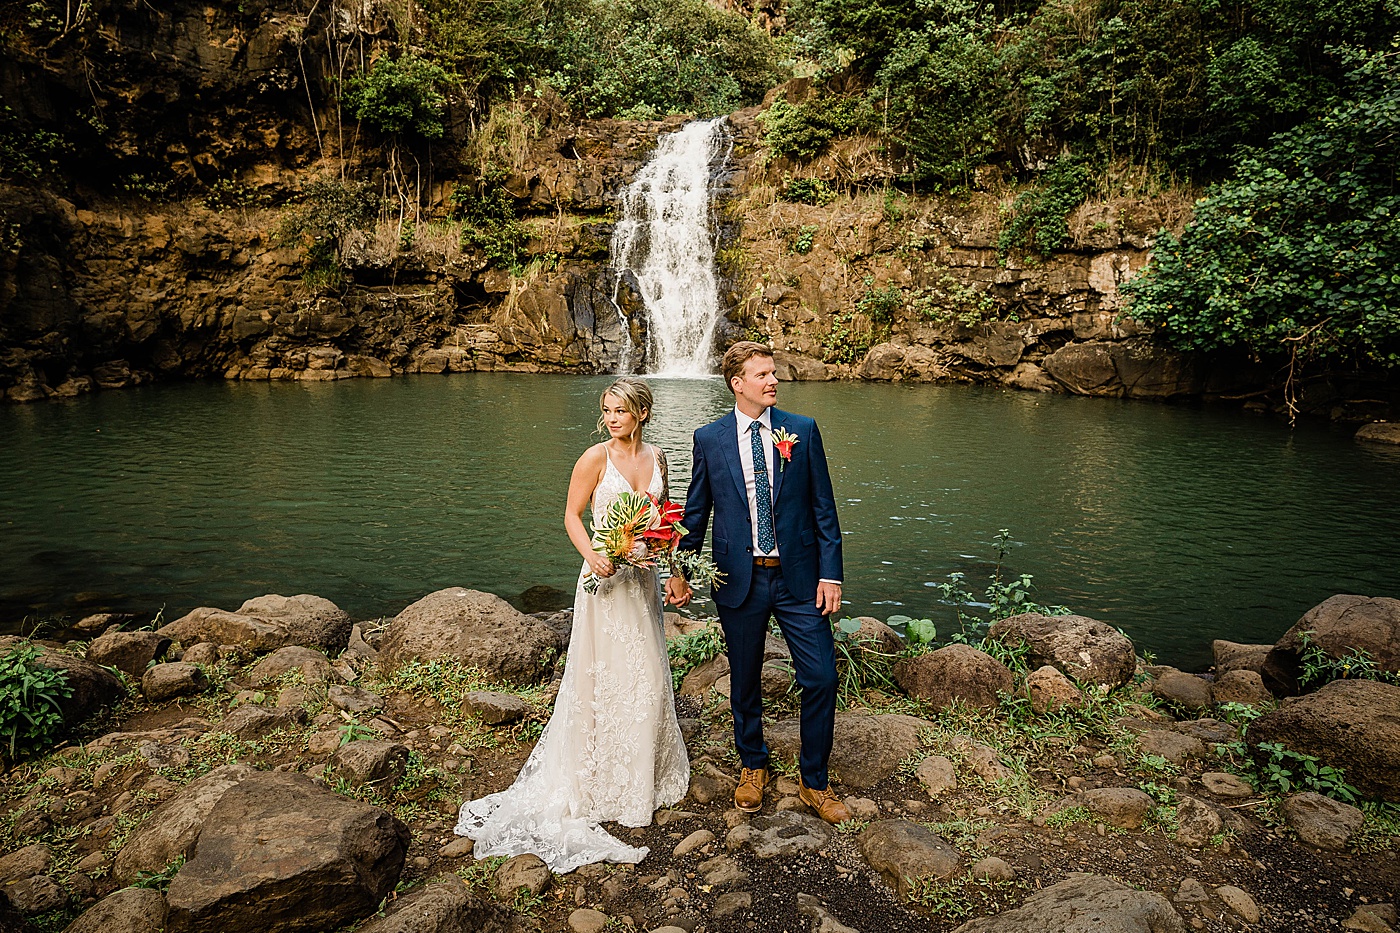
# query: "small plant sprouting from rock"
{"points": [[692, 650], [1318, 667]]}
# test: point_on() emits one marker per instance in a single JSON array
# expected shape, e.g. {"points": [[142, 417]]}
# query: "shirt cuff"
{"points": [[825, 580]]}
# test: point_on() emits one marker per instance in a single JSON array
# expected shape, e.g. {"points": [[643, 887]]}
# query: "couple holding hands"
{"points": [[612, 750]]}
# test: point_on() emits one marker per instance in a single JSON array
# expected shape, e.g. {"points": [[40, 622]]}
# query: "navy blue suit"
{"points": [[809, 548]]}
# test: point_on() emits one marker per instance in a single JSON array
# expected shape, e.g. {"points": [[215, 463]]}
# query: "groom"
{"points": [[776, 539]]}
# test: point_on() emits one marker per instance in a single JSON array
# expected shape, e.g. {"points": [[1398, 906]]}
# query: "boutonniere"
{"points": [[784, 442]]}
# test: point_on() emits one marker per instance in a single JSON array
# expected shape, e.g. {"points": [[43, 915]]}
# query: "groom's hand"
{"points": [[828, 598], [678, 591]]}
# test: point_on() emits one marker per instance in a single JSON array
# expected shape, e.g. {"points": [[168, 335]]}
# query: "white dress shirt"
{"points": [[765, 429]]}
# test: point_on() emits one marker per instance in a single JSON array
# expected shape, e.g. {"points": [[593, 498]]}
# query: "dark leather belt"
{"points": [[766, 562]]}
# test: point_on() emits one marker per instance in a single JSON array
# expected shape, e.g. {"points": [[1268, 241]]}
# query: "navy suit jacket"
{"points": [[804, 509]]}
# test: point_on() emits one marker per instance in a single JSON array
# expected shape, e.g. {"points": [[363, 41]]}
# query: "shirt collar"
{"points": [[766, 419]]}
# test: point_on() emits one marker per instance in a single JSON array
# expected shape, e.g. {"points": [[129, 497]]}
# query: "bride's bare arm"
{"points": [[588, 473]]}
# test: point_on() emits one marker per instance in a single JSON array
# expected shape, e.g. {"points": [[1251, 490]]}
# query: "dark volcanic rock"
{"points": [[267, 623], [446, 906], [1090, 651], [957, 672], [129, 652], [867, 749], [1338, 626], [904, 852], [482, 630], [281, 852], [128, 910], [1351, 724], [1085, 903]]}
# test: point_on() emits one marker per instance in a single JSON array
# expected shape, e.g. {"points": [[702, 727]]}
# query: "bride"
{"points": [[612, 750]]}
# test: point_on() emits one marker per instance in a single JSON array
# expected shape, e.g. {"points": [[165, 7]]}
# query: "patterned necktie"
{"points": [[761, 493]]}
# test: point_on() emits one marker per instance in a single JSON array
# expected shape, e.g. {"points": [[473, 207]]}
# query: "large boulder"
{"points": [[1338, 626], [314, 666], [93, 686], [957, 672], [1084, 903], [867, 749], [282, 852], [173, 679], [1090, 651], [128, 652], [478, 628], [446, 906], [170, 831], [1182, 690], [128, 910], [267, 623], [905, 853], [1350, 724]]}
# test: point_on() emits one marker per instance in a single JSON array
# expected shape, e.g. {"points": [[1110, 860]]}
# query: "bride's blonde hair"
{"points": [[635, 396]]}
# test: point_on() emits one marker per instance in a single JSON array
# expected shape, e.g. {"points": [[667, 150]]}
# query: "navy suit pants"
{"points": [[808, 635]]}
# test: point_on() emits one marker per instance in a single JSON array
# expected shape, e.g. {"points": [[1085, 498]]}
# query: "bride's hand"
{"points": [[600, 565]]}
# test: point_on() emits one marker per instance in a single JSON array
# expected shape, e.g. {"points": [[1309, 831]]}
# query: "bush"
{"points": [[491, 224], [400, 95], [1039, 216], [329, 210], [803, 130], [30, 715], [648, 58], [807, 191], [1295, 257]]}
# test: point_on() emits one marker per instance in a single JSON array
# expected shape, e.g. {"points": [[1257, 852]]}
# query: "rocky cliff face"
{"points": [[193, 131]]}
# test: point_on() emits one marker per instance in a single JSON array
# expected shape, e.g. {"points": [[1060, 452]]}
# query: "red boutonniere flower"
{"points": [[784, 441]]}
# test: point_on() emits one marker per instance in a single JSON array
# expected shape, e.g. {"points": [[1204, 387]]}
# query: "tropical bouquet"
{"points": [[640, 530]]}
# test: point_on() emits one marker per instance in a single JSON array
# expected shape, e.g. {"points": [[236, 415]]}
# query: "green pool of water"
{"points": [[1177, 524]]}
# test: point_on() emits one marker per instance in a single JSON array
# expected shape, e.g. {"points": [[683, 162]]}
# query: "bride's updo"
{"points": [[635, 396]]}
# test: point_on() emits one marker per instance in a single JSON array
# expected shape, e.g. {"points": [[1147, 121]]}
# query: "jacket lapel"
{"points": [[777, 420], [729, 443]]}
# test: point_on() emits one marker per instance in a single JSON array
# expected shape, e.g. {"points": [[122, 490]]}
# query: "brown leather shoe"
{"points": [[824, 802], [748, 796]]}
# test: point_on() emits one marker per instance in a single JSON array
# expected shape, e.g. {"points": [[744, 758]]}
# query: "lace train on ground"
{"points": [[612, 750]]}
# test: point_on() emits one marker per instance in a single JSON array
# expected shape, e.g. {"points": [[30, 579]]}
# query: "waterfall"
{"points": [[665, 240]]}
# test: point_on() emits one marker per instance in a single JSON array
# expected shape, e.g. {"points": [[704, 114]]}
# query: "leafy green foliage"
{"points": [[26, 151], [159, 880], [491, 224], [803, 130], [1039, 215], [860, 664], [1282, 771], [880, 304], [30, 715], [1317, 667], [648, 58], [690, 651], [329, 211], [803, 240], [1003, 597], [400, 96], [813, 191], [1296, 256], [637, 58]]}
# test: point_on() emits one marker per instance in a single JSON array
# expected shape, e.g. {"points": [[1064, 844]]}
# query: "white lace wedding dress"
{"points": [[612, 750]]}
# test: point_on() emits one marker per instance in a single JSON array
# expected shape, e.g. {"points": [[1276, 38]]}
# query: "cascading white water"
{"points": [[665, 240]]}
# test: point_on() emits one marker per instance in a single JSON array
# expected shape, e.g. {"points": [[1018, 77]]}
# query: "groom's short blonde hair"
{"points": [[736, 356]]}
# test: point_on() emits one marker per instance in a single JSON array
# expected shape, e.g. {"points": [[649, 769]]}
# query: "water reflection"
{"points": [[1179, 525]]}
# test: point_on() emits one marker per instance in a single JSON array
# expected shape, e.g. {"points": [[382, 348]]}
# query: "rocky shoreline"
{"points": [[283, 767]]}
